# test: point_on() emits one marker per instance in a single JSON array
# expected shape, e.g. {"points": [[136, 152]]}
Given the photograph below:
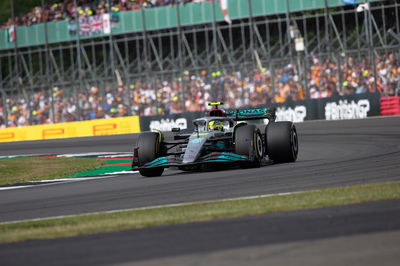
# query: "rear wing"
{"points": [[251, 114]]}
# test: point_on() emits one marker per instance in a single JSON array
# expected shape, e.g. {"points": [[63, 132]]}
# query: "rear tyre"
{"points": [[149, 144], [248, 142], [282, 142]]}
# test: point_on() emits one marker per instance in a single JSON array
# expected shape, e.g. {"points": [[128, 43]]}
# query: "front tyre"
{"points": [[248, 142], [282, 142], [149, 149]]}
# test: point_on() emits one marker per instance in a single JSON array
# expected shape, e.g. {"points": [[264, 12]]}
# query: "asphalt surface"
{"points": [[332, 154], [367, 234]]}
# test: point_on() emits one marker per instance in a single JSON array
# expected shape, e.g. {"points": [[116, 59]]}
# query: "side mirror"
{"points": [[176, 129]]}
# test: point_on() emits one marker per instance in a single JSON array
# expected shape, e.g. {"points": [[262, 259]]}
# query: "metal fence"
{"points": [[252, 61]]}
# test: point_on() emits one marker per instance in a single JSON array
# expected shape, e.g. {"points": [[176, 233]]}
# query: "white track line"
{"points": [[68, 155], [338, 120], [16, 187], [157, 207], [20, 155], [91, 154], [72, 179], [122, 173], [53, 182], [128, 154], [67, 180]]}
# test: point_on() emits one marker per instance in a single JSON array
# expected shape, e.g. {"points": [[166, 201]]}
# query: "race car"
{"points": [[223, 139]]}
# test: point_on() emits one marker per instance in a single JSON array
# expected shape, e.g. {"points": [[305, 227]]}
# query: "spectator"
{"points": [[62, 10], [193, 91]]}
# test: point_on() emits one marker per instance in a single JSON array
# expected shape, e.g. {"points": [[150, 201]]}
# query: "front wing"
{"points": [[212, 159]]}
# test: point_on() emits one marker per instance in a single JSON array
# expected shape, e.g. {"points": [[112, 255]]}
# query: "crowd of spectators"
{"points": [[192, 91], [189, 91], [65, 10]]}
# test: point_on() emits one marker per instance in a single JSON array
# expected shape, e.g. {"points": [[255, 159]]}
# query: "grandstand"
{"points": [[123, 58]]}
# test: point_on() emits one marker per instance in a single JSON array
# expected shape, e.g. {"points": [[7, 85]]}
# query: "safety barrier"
{"points": [[334, 108], [390, 105], [123, 125], [354, 106]]}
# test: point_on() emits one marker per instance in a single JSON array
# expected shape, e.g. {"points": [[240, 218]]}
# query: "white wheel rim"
{"points": [[259, 146], [295, 146]]}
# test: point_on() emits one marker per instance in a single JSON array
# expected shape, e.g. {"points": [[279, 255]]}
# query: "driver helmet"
{"points": [[215, 126]]}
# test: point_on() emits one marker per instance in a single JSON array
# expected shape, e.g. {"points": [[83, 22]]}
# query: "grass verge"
{"points": [[203, 211], [22, 170]]}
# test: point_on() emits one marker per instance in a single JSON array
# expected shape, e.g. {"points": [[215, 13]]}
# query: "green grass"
{"points": [[115, 221], [22, 170]]}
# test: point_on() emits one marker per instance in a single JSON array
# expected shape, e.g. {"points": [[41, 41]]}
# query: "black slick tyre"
{"points": [[248, 142], [149, 144], [282, 142]]}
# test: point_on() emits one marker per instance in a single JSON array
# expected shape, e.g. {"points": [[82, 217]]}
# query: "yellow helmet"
{"points": [[215, 126]]}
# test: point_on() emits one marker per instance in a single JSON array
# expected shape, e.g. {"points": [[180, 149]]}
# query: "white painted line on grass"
{"points": [[157, 207]]}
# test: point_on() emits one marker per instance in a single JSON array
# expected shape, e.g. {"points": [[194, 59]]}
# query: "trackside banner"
{"points": [[166, 123], [350, 107], [334, 108], [123, 125]]}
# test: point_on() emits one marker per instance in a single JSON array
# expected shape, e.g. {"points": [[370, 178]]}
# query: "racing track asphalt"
{"points": [[366, 234], [331, 154], [336, 153]]}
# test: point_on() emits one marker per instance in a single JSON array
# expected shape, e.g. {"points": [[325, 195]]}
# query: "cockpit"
{"points": [[213, 124]]}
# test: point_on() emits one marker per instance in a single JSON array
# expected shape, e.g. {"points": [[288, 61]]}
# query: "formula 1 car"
{"points": [[220, 140]]}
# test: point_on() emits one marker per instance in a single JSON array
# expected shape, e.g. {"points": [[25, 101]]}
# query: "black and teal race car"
{"points": [[221, 140]]}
